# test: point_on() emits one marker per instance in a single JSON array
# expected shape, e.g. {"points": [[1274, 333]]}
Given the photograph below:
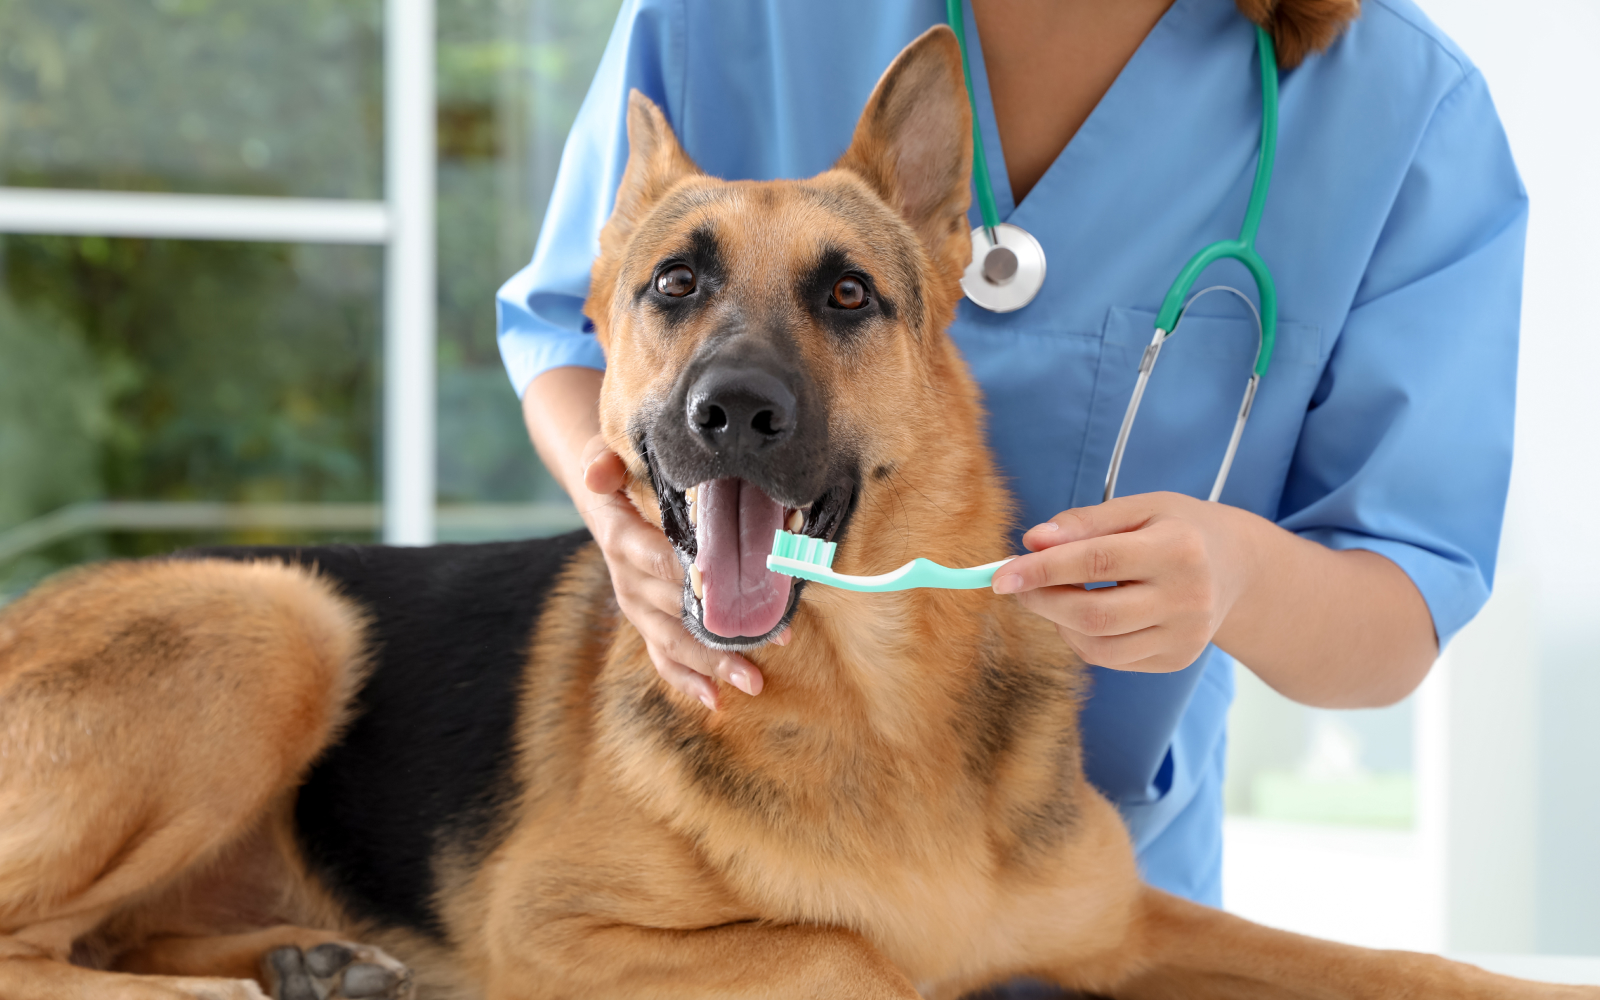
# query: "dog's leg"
{"points": [[1102, 932], [589, 959], [150, 715], [291, 962], [47, 979], [1178, 949]]}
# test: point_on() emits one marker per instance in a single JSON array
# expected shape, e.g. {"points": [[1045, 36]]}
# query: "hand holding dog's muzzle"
{"points": [[649, 584]]}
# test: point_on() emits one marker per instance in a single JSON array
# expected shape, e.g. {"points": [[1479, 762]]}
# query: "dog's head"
{"points": [[776, 352]]}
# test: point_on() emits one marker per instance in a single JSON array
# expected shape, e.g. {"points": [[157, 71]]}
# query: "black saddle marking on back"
{"points": [[427, 761]]}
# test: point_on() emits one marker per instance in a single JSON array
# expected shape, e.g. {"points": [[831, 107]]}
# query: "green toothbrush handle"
{"points": [[914, 574], [927, 573]]}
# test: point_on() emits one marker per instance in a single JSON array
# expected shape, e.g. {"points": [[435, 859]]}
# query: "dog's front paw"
{"points": [[335, 971]]}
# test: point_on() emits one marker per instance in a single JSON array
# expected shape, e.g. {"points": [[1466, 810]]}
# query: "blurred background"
{"points": [[248, 253], [1467, 818], [157, 392]]}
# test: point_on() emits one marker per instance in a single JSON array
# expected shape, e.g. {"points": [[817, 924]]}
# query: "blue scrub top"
{"points": [[1394, 229]]}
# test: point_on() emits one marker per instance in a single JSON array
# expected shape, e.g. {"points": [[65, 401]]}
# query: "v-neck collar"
{"points": [[1128, 90]]}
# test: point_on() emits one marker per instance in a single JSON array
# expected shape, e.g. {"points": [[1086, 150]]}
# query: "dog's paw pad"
{"points": [[335, 971], [364, 979], [325, 960]]}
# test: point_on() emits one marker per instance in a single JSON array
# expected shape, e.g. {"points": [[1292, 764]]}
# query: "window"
{"points": [[247, 262]]}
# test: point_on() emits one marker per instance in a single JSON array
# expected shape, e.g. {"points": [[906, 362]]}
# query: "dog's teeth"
{"points": [[690, 493], [797, 520], [697, 582], [693, 520]]}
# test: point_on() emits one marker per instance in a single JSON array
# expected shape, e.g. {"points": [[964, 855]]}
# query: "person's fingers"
{"points": [[1102, 559], [669, 642], [741, 673], [593, 449], [603, 469], [606, 474], [648, 578], [1118, 515], [729, 668], [686, 681], [694, 679], [656, 595], [1152, 647], [1046, 535], [643, 547], [1104, 611], [606, 514], [1161, 663], [699, 687]]}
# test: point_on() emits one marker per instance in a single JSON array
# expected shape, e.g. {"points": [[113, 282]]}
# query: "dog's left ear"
{"points": [[913, 144], [655, 163]]}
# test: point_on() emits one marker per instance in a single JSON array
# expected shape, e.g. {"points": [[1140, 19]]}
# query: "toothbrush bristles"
{"points": [[803, 548]]}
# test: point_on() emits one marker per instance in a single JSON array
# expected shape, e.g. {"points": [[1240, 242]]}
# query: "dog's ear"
{"points": [[913, 144], [655, 163]]}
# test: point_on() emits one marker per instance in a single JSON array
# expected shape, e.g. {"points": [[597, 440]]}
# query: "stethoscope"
{"points": [[1008, 266]]}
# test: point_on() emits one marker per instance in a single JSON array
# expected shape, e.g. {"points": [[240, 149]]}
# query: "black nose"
{"points": [[740, 410]]}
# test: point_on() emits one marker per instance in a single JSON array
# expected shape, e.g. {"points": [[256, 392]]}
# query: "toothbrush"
{"points": [[810, 558]]}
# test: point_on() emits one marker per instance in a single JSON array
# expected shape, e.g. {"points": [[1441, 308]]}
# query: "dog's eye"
{"points": [[849, 293], [675, 281]]}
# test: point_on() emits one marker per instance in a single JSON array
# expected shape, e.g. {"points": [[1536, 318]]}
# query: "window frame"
{"points": [[403, 223]]}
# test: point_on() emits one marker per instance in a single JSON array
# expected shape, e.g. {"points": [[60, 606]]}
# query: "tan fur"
{"points": [[902, 811], [152, 718]]}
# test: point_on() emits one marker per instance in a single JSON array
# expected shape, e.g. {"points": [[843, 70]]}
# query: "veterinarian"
{"points": [[1358, 530]]}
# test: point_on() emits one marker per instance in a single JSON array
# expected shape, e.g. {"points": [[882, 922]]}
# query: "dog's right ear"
{"points": [[655, 163], [913, 145]]}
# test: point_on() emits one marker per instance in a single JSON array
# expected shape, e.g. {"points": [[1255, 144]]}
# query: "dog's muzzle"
{"points": [[740, 451]]}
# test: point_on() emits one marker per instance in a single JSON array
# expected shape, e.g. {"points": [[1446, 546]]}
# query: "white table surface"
{"points": [[1545, 968]]}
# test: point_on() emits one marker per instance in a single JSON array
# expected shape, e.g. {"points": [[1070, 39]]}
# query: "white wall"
{"points": [[1524, 681], [1505, 853]]}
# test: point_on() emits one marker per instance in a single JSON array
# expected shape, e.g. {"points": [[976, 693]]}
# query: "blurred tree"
{"points": [[166, 370], [512, 74], [227, 96], [53, 413], [177, 370], [231, 371]]}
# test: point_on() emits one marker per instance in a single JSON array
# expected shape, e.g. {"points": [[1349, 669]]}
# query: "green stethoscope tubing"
{"points": [[980, 162], [1242, 249]]}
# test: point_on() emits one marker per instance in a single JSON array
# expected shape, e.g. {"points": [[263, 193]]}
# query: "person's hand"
{"points": [[649, 582], [1180, 565]]}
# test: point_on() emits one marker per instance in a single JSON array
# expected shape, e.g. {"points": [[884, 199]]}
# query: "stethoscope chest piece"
{"points": [[1006, 274]]}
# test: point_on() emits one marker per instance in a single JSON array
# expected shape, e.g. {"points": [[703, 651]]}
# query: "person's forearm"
{"points": [[561, 409], [1333, 629]]}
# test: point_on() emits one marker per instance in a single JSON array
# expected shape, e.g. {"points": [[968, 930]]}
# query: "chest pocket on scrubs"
{"points": [[1189, 408]]}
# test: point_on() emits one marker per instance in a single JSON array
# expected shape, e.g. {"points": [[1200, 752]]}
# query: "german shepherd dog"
{"points": [[354, 772]]}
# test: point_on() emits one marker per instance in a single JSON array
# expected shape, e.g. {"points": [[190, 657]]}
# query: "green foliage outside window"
{"points": [[511, 75], [224, 96], [183, 370]]}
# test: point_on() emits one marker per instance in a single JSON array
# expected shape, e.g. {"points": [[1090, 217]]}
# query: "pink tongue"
{"points": [[733, 532]]}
